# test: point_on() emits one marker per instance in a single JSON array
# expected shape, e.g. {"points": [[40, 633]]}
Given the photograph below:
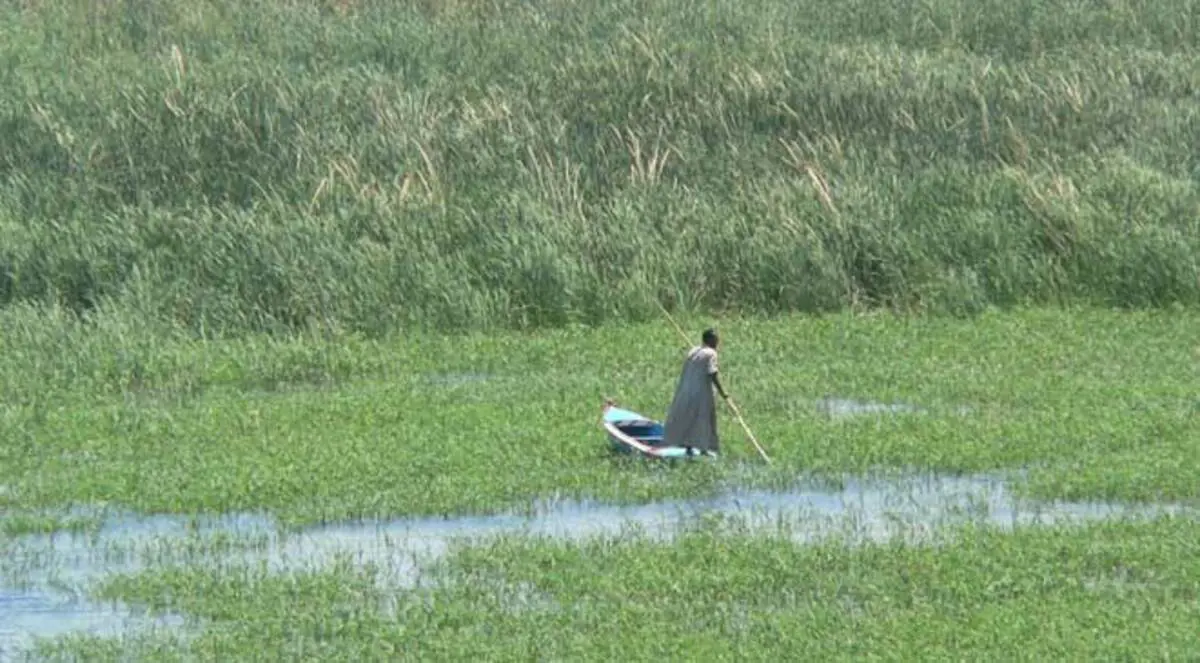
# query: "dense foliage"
{"points": [[234, 165]]}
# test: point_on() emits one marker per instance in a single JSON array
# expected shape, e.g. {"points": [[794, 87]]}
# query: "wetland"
{"points": [[308, 312]]}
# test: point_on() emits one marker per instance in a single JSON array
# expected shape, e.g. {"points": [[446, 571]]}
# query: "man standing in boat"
{"points": [[692, 419]]}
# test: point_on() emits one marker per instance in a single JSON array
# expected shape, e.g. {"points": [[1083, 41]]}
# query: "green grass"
{"points": [[1114, 591], [275, 166], [232, 234], [1100, 405], [16, 524]]}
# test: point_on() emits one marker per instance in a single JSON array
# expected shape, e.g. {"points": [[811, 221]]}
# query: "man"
{"points": [[692, 419]]}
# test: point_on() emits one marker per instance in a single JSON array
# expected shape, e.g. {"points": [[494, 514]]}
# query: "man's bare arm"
{"points": [[717, 382]]}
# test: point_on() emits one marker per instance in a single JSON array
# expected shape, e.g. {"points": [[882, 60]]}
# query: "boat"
{"points": [[632, 433]]}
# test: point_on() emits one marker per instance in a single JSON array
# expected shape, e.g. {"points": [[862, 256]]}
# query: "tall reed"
{"points": [[274, 166]]}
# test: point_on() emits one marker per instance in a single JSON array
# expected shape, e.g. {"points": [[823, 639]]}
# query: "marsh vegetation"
{"points": [[310, 267]]}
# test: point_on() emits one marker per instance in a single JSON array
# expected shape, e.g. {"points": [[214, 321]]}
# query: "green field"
{"points": [[1097, 405], [1093, 405], [343, 261], [1110, 593], [269, 165]]}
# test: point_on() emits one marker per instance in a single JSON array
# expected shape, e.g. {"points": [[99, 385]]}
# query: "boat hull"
{"points": [[631, 433]]}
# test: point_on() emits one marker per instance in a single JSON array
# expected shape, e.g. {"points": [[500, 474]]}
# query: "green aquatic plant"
{"points": [[1121, 588], [946, 237], [1094, 403]]}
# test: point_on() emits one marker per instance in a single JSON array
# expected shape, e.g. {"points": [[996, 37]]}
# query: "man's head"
{"points": [[709, 337]]}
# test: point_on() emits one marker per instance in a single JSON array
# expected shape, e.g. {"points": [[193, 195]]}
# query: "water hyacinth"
{"points": [[308, 311]]}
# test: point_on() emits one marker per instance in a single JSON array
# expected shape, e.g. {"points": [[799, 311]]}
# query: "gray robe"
{"points": [[692, 418]]}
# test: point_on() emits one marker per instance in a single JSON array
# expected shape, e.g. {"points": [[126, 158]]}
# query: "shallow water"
{"points": [[58, 568], [847, 407], [457, 379], [28, 614]]}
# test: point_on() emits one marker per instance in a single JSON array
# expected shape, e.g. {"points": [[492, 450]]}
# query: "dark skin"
{"points": [[712, 340]]}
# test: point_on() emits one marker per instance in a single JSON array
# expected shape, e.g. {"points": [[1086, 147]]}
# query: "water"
{"points": [[457, 379], [29, 614], [58, 568], [846, 407]]}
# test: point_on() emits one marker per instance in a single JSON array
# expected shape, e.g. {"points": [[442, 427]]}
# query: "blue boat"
{"points": [[632, 433]]}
